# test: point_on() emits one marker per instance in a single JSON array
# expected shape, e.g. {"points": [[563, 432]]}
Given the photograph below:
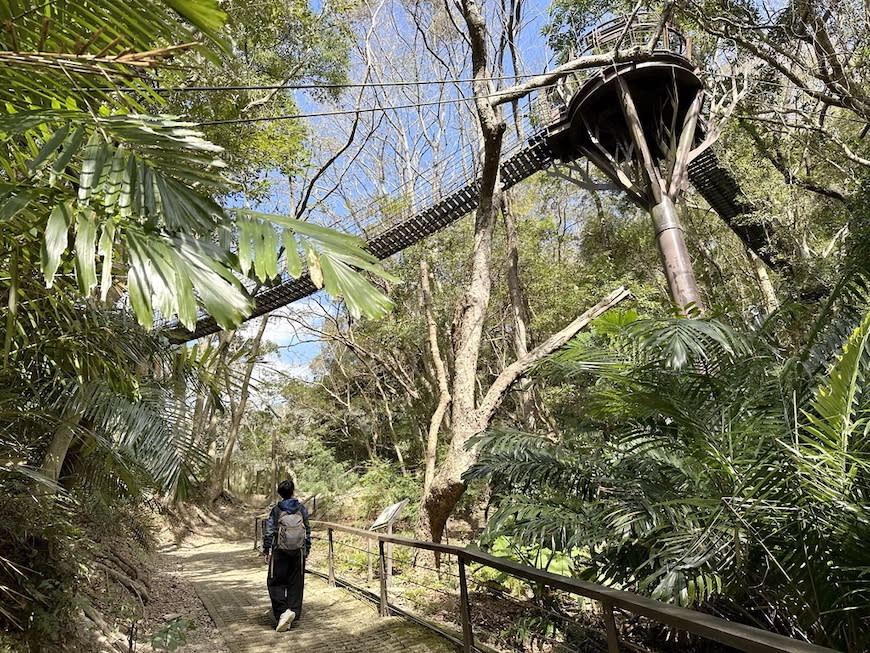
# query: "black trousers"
{"points": [[285, 581]]}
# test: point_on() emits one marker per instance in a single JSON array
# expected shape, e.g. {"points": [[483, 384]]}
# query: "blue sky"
{"points": [[294, 356]]}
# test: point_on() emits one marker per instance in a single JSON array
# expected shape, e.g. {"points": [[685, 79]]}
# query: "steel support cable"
{"points": [[349, 562], [433, 569], [349, 546], [394, 561], [428, 587], [310, 87], [417, 565], [356, 110]]}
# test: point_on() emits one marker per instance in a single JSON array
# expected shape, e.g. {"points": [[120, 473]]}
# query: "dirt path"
{"points": [[230, 579]]}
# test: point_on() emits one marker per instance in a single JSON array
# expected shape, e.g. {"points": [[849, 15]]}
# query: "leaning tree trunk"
{"points": [[57, 450], [447, 486]]}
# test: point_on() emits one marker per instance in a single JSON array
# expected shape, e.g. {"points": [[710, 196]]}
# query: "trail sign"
{"points": [[386, 519], [389, 515]]}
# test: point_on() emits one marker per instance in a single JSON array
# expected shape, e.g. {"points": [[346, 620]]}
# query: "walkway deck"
{"points": [[231, 581]]}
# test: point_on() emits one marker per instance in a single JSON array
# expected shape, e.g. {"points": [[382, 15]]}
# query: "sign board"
{"points": [[389, 514]]}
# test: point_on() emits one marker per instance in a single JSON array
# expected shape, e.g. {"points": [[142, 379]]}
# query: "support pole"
{"points": [[330, 560], [669, 234], [674, 254], [465, 610], [389, 553], [610, 625], [384, 610], [635, 130]]}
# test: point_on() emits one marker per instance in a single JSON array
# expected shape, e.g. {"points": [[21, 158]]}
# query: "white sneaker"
{"points": [[285, 620]]}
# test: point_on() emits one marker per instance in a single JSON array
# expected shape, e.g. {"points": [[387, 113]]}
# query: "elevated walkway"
{"points": [[715, 184], [553, 128]]}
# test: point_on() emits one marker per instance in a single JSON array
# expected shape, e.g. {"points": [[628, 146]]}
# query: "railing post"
{"points": [[331, 559], [384, 609], [256, 532], [465, 609], [610, 624], [389, 552]]}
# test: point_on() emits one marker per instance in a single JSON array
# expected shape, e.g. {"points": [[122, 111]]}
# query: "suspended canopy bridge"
{"points": [[583, 117]]}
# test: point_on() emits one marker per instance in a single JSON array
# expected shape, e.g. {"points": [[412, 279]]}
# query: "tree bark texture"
{"points": [[236, 414], [441, 374], [445, 490], [57, 450], [447, 487]]}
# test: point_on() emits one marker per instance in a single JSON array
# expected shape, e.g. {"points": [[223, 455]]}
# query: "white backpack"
{"points": [[290, 535]]}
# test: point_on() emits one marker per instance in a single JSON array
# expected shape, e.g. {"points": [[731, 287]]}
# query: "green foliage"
{"points": [[173, 635], [318, 472], [37, 565], [382, 485], [90, 178], [108, 215], [277, 43], [695, 472], [539, 557]]}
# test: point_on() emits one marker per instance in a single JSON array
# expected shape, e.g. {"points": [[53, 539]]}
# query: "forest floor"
{"points": [[175, 613]]}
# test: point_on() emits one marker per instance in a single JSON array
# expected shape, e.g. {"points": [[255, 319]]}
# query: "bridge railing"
{"points": [[643, 30], [456, 563]]}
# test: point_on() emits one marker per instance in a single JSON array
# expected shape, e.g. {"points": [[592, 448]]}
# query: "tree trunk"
{"points": [[468, 417], [57, 450], [237, 411], [441, 374], [768, 294], [531, 410], [447, 486]]}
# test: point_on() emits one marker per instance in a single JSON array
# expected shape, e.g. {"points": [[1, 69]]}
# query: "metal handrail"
{"points": [[739, 636]]}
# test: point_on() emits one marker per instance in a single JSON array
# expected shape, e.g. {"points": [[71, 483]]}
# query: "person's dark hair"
{"points": [[285, 489]]}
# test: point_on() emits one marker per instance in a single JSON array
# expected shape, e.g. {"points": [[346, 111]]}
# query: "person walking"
{"points": [[286, 544]]}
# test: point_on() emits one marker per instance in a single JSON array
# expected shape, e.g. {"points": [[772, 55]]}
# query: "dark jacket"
{"points": [[291, 506]]}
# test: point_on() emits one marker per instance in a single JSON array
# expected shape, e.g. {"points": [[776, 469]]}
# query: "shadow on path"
{"points": [[231, 581]]}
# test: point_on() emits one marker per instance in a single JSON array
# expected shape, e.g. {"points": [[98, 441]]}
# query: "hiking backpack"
{"points": [[290, 535]]}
